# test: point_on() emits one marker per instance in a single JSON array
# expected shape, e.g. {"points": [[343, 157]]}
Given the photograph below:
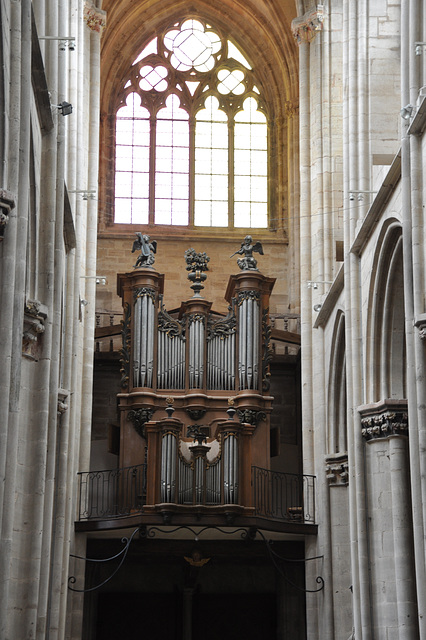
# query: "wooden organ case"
{"points": [[195, 403]]}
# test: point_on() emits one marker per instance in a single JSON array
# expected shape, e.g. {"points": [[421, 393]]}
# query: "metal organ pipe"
{"points": [[137, 343], [168, 467], [249, 346]]}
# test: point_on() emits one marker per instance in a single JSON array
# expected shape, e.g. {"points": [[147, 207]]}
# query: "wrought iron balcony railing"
{"points": [[112, 493], [283, 496], [119, 493]]}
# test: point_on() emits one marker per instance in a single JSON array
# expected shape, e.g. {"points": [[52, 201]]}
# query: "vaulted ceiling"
{"points": [[262, 28]]}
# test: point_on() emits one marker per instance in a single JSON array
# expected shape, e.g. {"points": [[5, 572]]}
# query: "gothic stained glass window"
{"points": [[191, 138]]}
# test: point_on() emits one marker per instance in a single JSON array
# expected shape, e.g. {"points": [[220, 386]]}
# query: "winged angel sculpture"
{"points": [[147, 249], [247, 248]]}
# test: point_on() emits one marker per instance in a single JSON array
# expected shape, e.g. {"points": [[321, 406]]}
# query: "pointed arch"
{"points": [[386, 353], [337, 406]]}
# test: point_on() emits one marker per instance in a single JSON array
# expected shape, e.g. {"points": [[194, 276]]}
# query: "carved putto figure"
{"points": [[247, 248], [147, 249]]}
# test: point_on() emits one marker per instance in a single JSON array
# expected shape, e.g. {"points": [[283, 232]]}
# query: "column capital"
{"points": [[94, 18], [305, 28], [383, 419]]}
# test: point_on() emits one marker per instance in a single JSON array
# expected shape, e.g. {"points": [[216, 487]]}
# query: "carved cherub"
{"points": [[247, 249], [147, 249]]}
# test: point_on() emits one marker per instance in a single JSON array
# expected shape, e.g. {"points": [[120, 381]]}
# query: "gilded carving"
{"points": [[267, 350]]}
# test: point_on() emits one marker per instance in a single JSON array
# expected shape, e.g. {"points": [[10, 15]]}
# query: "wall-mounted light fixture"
{"points": [[359, 194], [65, 108], [313, 284], [317, 307], [420, 47], [64, 41], [406, 112], [85, 193], [102, 280]]}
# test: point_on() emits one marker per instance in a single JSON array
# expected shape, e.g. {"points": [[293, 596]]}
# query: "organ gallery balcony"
{"points": [[195, 407], [196, 494]]}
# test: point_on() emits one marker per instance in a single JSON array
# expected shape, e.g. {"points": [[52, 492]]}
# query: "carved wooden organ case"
{"points": [[195, 401]]}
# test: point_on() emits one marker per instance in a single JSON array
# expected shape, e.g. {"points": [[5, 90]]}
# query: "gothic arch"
{"points": [[386, 357], [336, 425], [263, 33]]}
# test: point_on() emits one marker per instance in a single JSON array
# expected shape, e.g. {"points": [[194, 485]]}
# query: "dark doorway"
{"points": [[230, 616], [134, 616]]}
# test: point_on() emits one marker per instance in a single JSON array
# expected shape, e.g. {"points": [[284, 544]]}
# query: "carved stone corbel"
{"points": [[336, 468], [35, 313], [421, 326], [94, 18], [7, 203], [306, 27], [62, 400]]}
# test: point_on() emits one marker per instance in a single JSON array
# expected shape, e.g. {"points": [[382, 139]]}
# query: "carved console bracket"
{"points": [[306, 27], [35, 314], [7, 203], [336, 468], [384, 419], [251, 416], [140, 417]]}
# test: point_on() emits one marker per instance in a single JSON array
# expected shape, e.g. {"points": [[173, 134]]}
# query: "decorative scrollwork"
{"points": [[251, 416], [167, 324], [276, 558], [139, 417], [142, 292], [195, 317], [267, 350], [123, 553], [125, 350], [250, 294], [223, 327]]}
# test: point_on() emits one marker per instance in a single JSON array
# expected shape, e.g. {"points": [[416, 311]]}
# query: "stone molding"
{"points": [[336, 469], [7, 203], [306, 27], [383, 419], [94, 18]]}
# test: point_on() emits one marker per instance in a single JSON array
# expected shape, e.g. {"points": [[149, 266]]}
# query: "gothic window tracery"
{"points": [[191, 136]]}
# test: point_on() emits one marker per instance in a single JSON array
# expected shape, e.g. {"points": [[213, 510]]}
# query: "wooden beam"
{"points": [[106, 332], [285, 336]]}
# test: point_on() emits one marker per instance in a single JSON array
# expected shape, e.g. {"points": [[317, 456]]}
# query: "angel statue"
{"points": [[247, 249], [147, 249]]}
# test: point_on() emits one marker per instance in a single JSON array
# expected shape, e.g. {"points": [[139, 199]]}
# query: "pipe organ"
{"points": [[182, 369]]}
